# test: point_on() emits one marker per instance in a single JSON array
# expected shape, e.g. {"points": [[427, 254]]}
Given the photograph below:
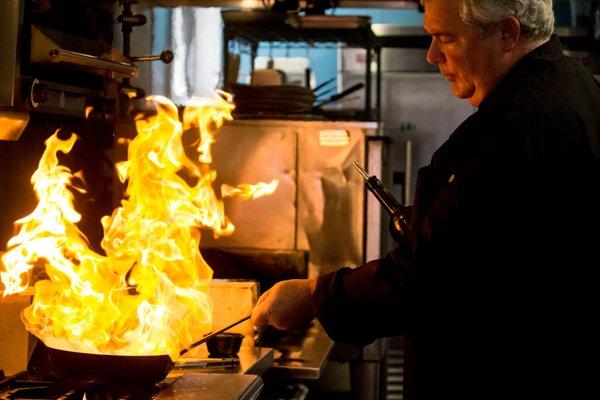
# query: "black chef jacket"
{"points": [[497, 289]]}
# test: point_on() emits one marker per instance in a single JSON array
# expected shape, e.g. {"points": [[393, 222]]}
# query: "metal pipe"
{"points": [[86, 60]]}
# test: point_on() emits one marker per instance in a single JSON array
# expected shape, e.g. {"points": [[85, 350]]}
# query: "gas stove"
{"points": [[186, 386], [27, 386]]}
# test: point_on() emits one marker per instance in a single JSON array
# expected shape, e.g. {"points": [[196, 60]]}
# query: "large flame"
{"points": [[149, 293]]}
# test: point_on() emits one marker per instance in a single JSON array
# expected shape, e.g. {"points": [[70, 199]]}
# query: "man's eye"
{"points": [[445, 39]]}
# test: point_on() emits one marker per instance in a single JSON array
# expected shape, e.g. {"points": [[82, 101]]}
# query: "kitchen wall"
{"points": [[324, 62], [194, 35]]}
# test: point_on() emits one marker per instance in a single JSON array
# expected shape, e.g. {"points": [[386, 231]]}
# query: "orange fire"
{"points": [[149, 294]]}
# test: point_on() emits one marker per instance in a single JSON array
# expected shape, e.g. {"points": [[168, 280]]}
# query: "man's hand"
{"points": [[287, 305]]}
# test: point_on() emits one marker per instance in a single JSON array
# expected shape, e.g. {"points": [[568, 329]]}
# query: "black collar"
{"points": [[550, 51], [540, 57]]}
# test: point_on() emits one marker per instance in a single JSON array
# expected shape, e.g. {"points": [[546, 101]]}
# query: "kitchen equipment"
{"points": [[192, 385], [272, 100], [267, 77], [210, 362], [340, 95], [404, 48], [110, 368], [211, 335], [118, 369], [57, 59], [226, 344], [322, 85], [13, 336], [399, 225], [251, 28], [318, 206], [52, 64]]}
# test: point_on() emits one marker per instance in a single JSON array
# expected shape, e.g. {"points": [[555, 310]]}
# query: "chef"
{"points": [[495, 288]]}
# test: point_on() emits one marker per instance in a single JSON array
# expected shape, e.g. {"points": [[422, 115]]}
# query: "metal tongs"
{"points": [[399, 226], [213, 334]]}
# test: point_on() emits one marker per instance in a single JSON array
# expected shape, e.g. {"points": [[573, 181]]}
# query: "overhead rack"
{"points": [[255, 27]]}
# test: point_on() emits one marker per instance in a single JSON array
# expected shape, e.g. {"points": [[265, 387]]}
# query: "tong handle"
{"points": [[213, 334]]}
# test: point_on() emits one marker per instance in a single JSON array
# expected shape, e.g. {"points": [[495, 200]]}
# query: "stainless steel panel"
{"points": [[304, 360], [12, 124], [303, 357], [93, 62], [214, 387], [407, 60], [374, 210], [403, 59], [411, 4], [330, 200], [319, 204], [421, 108], [250, 152], [416, 107], [49, 46], [11, 12], [250, 360], [13, 336]]}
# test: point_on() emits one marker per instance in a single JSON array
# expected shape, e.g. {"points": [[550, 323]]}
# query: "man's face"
{"points": [[474, 64]]}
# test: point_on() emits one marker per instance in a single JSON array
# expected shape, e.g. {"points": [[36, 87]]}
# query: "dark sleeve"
{"points": [[356, 306], [458, 221]]}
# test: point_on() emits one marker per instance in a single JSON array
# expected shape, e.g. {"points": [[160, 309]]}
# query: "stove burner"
{"points": [[24, 386], [101, 392]]}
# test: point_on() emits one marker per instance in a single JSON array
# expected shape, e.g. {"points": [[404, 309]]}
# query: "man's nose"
{"points": [[434, 54]]}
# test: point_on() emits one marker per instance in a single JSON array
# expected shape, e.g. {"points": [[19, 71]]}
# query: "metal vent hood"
{"points": [[258, 4]]}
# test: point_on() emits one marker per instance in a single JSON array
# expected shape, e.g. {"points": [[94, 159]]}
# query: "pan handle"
{"points": [[340, 95], [213, 334], [322, 85]]}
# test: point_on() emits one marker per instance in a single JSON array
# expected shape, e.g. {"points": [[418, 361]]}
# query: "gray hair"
{"points": [[535, 16]]}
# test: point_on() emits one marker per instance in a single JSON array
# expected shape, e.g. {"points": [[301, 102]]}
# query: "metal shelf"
{"points": [[254, 27], [410, 37], [258, 4], [264, 26]]}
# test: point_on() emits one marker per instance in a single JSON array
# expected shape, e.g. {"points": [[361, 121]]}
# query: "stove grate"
{"points": [[24, 386]]}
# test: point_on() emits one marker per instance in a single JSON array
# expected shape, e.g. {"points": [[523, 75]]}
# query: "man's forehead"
{"points": [[441, 15]]}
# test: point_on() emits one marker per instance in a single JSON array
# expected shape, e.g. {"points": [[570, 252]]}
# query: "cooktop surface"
{"points": [[209, 386]]}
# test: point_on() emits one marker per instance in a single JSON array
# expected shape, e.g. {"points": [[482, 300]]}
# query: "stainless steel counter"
{"points": [[213, 387], [304, 357], [195, 375], [305, 360], [250, 360]]}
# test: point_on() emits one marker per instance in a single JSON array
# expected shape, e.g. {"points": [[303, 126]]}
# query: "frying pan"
{"points": [[118, 369]]}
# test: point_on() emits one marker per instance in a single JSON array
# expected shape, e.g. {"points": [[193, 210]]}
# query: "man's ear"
{"points": [[511, 33]]}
